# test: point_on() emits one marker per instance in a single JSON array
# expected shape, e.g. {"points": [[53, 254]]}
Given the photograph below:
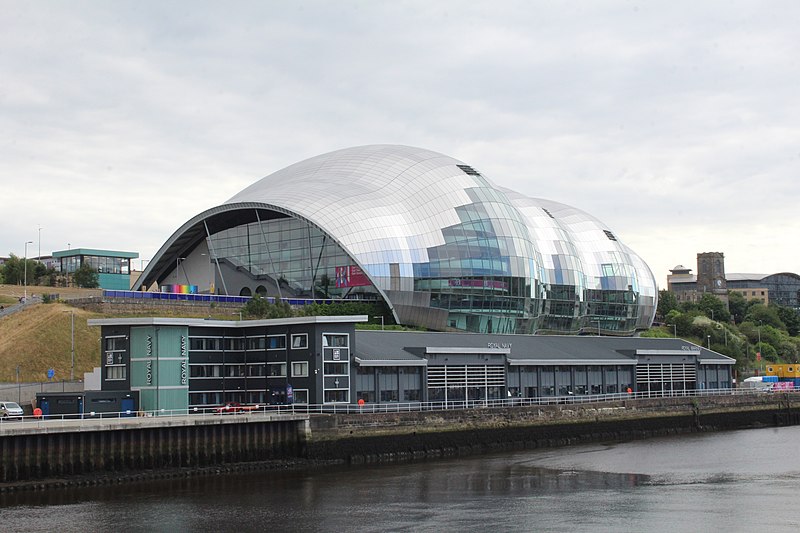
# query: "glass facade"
{"points": [[442, 245], [102, 265]]}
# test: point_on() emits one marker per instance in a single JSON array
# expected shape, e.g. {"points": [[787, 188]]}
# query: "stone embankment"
{"points": [[406, 435], [32, 452]]}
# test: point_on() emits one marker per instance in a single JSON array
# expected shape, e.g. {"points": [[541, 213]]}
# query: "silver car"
{"points": [[10, 410]]}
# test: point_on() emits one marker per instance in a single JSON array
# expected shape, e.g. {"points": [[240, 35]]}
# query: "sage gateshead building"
{"points": [[434, 239]]}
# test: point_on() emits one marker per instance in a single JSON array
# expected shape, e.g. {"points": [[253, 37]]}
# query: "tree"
{"points": [[259, 307], [681, 321], [760, 313], [86, 277], [667, 301], [13, 271], [737, 306], [714, 308], [790, 318]]}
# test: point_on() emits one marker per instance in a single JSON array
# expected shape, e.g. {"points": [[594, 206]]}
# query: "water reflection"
{"points": [[686, 483]]}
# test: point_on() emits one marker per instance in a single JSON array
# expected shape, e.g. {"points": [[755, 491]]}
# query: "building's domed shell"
{"points": [[441, 244]]}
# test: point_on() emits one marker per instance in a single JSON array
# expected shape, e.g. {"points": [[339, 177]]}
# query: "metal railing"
{"points": [[377, 408], [217, 298]]}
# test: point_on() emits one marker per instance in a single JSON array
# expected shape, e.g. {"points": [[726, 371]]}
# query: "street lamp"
{"points": [[177, 270], [72, 335], [709, 341], [758, 352], [381, 317], [675, 331], [25, 266]]}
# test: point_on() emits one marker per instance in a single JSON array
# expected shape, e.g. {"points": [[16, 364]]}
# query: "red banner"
{"points": [[351, 276]]}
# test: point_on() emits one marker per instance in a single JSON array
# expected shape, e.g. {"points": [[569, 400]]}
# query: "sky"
{"points": [[675, 123]]}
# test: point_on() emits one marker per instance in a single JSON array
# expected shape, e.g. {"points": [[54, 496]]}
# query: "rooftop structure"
{"points": [[430, 236]]}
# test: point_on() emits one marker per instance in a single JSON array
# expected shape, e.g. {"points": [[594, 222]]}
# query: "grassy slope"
{"points": [[39, 338]]}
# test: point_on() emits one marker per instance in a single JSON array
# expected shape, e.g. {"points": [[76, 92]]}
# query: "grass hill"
{"points": [[39, 337]]}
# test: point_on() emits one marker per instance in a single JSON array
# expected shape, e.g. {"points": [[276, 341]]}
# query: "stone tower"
{"points": [[711, 275]]}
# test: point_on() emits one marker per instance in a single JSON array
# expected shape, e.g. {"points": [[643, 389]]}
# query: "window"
{"points": [[411, 395], [389, 395], [255, 370], [205, 371], [300, 369], [330, 340], [256, 343], [276, 370], [276, 342], [336, 395], [300, 396], [117, 372], [233, 371], [336, 369], [204, 344], [299, 341], [234, 344], [115, 344]]}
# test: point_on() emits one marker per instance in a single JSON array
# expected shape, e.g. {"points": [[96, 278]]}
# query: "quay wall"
{"points": [[406, 435], [32, 451], [103, 447]]}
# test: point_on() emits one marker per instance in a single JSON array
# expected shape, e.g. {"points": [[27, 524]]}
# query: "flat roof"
{"points": [[376, 345], [92, 251]]}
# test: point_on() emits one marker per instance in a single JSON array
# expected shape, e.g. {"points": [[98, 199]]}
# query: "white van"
{"points": [[10, 410], [757, 383]]}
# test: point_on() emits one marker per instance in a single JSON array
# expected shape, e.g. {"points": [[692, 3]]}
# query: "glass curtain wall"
{"points": [[298, 256]]}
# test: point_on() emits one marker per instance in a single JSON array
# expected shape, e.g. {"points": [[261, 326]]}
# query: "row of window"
{"points": [[238, 344], [254, 397], [269, 342], [104, 265], [273, 370]]}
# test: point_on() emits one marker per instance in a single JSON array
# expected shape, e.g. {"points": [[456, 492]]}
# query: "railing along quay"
{"points": [[260, 411]]}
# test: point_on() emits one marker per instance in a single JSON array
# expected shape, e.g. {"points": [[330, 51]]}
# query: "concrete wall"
{"points": [[25, 393], [84, 447]]}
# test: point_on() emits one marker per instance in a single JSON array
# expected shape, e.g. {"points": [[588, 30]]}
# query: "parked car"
{"points": [[10, 410], [234, 407]]}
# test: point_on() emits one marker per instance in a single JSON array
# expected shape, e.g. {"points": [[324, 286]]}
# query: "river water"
{"points": [[733, 481]]}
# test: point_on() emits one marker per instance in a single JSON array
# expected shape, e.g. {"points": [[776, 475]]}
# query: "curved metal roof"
{"points": [[388, 204]]}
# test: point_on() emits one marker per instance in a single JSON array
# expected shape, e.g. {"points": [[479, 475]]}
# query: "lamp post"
{"points": [[709, 341], [72, 336], [675, 331], [39, 257], [177, 269], [381, 317], [758, 351], [25, 266]]}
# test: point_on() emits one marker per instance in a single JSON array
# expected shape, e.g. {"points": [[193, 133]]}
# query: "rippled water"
{"points": [[734, 481]]}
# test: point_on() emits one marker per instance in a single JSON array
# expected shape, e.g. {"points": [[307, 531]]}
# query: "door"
{"points": [[127, 407]]}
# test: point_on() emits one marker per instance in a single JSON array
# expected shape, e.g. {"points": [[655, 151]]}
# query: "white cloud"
{"points": [[674, 123]]}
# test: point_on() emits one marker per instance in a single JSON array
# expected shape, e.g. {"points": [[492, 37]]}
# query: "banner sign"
{"points": [[351, 276]]}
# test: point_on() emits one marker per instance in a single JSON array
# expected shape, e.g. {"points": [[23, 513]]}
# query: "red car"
{"points": [[234, 407]]}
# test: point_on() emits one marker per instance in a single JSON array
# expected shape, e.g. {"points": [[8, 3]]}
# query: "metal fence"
{"points": [[378, 408], [174, 296]]}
